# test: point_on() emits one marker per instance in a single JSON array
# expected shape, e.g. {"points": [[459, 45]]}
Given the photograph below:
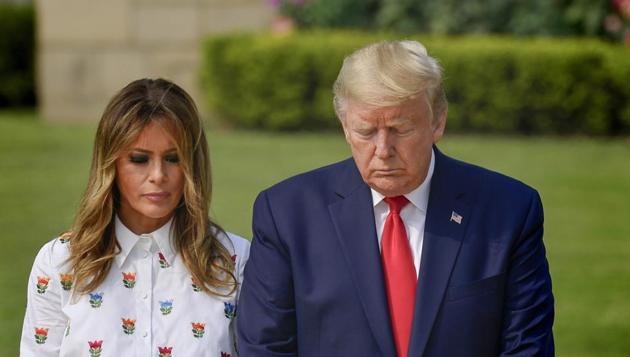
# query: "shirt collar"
{"points": [[128, 240], [419, 197]]}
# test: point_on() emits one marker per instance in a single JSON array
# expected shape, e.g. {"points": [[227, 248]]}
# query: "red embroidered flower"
{"points": [[41, 334], [234, 258], [225, 354], [96, 344], [128, 325], [42, 331], [198, 329], [42, 284], [165, 351], [162, 260], [129, 279]]}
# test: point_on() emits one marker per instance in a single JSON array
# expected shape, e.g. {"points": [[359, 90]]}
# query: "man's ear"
{"points": [[345, 130], [439, 125]]}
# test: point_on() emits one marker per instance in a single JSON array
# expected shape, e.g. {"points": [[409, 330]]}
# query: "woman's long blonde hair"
{"points": [[93, 243]]}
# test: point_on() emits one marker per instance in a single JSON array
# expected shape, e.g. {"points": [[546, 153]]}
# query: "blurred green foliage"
{"points": [[17, 55], [516, 17], [494, 84]]}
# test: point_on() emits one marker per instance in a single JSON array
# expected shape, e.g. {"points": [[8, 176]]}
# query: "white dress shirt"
{"points": [[147, 305], [413, 214]]}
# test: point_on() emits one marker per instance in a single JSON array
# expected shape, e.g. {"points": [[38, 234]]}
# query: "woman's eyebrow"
{"points": [[145, 151]]}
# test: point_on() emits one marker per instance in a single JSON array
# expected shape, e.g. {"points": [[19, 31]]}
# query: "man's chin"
{"points": [[388, 187]]}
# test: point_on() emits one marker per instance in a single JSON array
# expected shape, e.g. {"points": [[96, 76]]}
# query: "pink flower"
{"points": [[612, 23], [225, 354]]}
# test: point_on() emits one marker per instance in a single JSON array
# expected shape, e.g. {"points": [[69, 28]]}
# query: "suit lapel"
{"points": [[442, 241], [352, 217]]}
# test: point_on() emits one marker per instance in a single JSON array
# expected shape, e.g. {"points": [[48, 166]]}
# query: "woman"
{"points": [[144, 271]]}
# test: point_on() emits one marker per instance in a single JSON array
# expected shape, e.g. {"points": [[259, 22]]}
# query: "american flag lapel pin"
{"points": [[456, 217]]}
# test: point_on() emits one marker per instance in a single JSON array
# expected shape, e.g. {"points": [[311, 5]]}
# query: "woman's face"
{"points": [[149, 179]]}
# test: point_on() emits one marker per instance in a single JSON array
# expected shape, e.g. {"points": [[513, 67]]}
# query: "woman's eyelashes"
{"points": [[139, 158], [144, 158], [172, 158]]}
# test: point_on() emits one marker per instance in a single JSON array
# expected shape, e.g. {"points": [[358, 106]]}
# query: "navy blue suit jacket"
{"points": [[314, 286]]}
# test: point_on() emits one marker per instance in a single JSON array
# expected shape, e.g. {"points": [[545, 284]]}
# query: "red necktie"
{"points": [[400, 274]]}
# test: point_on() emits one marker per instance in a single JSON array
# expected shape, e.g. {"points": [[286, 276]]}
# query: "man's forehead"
{"points": [[391, 114]]}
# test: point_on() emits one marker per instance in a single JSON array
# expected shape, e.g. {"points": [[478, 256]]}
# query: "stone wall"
{"points": [[89, 49]]}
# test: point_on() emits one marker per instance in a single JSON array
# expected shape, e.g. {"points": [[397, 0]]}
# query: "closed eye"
{"points": [[139, 158], [172, 158]]}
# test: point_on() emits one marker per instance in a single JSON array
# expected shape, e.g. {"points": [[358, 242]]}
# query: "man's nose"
{"points": [[384, 144]]}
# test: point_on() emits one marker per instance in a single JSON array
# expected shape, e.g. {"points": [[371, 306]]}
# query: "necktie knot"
{"points": [[396, 203]]}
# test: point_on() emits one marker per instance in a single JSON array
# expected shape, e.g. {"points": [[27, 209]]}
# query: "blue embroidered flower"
{"points": [[166, 306], [229, 310], [96, 299]]}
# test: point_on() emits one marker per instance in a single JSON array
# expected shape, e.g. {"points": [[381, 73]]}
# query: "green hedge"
{"points": [[494, 84], [17, 48]]}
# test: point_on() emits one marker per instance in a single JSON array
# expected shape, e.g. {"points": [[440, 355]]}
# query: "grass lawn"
{"points": [[584, 184]]}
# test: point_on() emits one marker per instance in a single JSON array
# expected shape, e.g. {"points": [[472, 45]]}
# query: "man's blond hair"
{"points": [[387, 74]]}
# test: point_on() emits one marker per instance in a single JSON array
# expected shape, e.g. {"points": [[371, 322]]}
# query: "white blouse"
{"points": [[148, 305]]}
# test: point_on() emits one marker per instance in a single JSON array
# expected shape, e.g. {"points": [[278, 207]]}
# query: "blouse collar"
{"points": [[128, 240]]}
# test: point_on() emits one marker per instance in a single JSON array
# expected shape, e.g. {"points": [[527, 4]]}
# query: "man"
{"points": [[401, 250]]}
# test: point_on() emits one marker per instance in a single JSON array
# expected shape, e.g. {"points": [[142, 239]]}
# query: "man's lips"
{"points": [[156, 196], [387, 172]]}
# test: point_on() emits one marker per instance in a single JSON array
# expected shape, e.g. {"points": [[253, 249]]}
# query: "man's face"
{"points": [[392, 145]]}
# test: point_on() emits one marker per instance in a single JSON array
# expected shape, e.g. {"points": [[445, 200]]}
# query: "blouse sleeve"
{"points": [[240, 267], [241, 251], [44, 322]]}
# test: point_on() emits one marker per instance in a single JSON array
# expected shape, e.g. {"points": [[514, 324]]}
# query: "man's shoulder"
{"points": [[487, 182]]}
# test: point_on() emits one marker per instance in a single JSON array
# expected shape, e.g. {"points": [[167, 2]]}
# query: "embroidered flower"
{"points": [[234, 258], [96, 347], [96, 299], [42, 284], [194, 284], [66, 280], [229, 310], [163, 262], [165, 351], [225, 354], [41, 334], [129, 279], [166, 306], [198, 329], [128, 325], [65, 237]]}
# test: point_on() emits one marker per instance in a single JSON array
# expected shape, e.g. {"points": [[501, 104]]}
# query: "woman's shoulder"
{"points": [[55, 252], [239, 243], [236, 245]]}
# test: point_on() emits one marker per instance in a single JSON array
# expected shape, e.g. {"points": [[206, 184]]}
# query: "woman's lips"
{"points": [[156, 196]]}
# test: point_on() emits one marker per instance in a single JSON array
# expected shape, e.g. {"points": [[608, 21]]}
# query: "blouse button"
{"points": [[146, 295], [145, 334]]}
